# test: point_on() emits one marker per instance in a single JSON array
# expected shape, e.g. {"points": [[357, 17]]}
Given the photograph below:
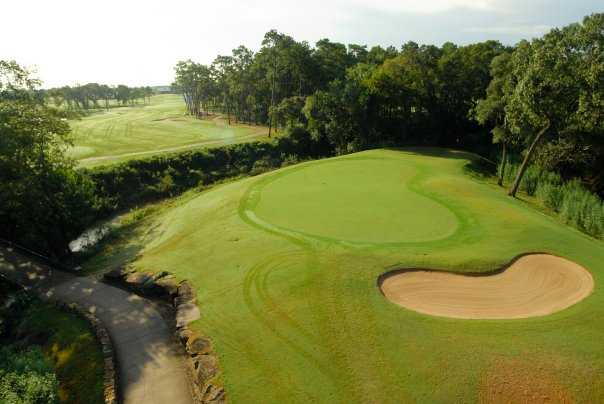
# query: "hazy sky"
{"points": [[137, 42]]}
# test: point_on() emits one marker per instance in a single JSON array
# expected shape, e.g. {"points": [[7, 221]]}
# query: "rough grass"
{"points": [[296, 316], [72, 350], [128, 132]]}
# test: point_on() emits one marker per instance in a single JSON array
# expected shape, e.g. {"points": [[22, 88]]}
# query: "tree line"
{"points": [[95, 96], [540, 100], [260, 87]]}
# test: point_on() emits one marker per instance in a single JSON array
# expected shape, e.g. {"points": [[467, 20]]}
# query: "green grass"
{"points": [[286, 266], [124, 133], [73, 351]]}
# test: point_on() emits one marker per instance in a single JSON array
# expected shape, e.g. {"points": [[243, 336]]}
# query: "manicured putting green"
{"points": [[356, 200]]}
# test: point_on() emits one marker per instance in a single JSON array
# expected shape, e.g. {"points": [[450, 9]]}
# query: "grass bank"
{"points": [[286, 265]]}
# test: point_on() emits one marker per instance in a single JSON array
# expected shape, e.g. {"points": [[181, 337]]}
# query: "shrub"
{"points": [[582, 209], [530, 180], [137, 181], [26, 377], [552, 195], [575, 204]]}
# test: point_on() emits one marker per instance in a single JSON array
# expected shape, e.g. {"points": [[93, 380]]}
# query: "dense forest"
{"points": [[536, 108]]}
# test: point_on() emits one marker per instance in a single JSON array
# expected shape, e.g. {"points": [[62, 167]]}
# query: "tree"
{"points": [[289, 111], [558, 88], [491, 110], [195, 82], [44, 202], [222, 70]]}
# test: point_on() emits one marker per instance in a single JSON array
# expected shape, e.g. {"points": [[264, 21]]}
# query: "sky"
{"points": [[138, 42]]}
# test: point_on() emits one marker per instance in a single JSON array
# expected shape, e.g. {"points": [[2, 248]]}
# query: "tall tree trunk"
{"points": [[504, 161], [270, 115], [525, 162], [229, 113], [270, 124]]}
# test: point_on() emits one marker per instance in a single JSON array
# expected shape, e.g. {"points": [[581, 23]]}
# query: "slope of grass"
{"points": [[287, 286], [137, 131]]}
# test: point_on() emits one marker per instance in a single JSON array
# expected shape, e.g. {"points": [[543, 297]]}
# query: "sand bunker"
{"points": [[532, 285]]}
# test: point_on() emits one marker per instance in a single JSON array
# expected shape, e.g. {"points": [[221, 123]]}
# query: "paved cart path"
{"points": [[151, 365]]}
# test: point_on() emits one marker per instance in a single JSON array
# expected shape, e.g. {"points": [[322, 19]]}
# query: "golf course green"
{"points": [[128, 132], [286, 267]]}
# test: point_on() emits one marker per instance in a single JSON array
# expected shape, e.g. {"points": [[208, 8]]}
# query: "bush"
{"points": [[26, 377], [575, 204], [137, 181], [530, 180], [552, 195]]}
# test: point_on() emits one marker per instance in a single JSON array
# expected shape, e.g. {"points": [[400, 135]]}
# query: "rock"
{"points": [[213, 395], [186, 313], [169, 285], [184, 334], [137, 280], [161, 274], [197, 345], [206, 367], [117, 274], [186, 293]]}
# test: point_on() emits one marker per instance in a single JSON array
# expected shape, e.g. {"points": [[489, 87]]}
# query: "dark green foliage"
{"points": [[26, 377], [44, 202], [531, 180], [582, 209], [548, 97], [552, 195], [422, 96]]}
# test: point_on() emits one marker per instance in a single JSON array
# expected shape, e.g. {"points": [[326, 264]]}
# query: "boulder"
{"points": [[206, 367], [186, 293], [213, 394], [186, 313], [137, 280], [161, 274], [184, 334], [197, 345], [168, 284], [117, 274]]}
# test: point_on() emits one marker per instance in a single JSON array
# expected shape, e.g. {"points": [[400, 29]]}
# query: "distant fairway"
{"points": [[286, 267], [132, 132]]}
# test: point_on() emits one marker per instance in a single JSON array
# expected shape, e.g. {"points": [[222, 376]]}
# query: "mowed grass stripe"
{"points": [[278, 304], [161, 126]]}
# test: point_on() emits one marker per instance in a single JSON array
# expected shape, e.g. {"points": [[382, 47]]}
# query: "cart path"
{"points": [[150, 362]]}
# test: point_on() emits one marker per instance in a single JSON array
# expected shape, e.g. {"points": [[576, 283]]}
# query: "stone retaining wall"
{"points": [[202, 363]]}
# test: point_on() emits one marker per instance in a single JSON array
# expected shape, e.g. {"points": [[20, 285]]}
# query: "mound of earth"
{"points": [[532, 285]]}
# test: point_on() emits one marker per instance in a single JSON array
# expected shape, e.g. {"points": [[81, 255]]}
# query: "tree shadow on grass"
{"points": [[480, 168], [435, 152], [118, 249]]}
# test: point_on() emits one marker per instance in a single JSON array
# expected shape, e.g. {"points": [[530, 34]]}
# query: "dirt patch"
{"points": [[532, 285], [522, 382]]}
